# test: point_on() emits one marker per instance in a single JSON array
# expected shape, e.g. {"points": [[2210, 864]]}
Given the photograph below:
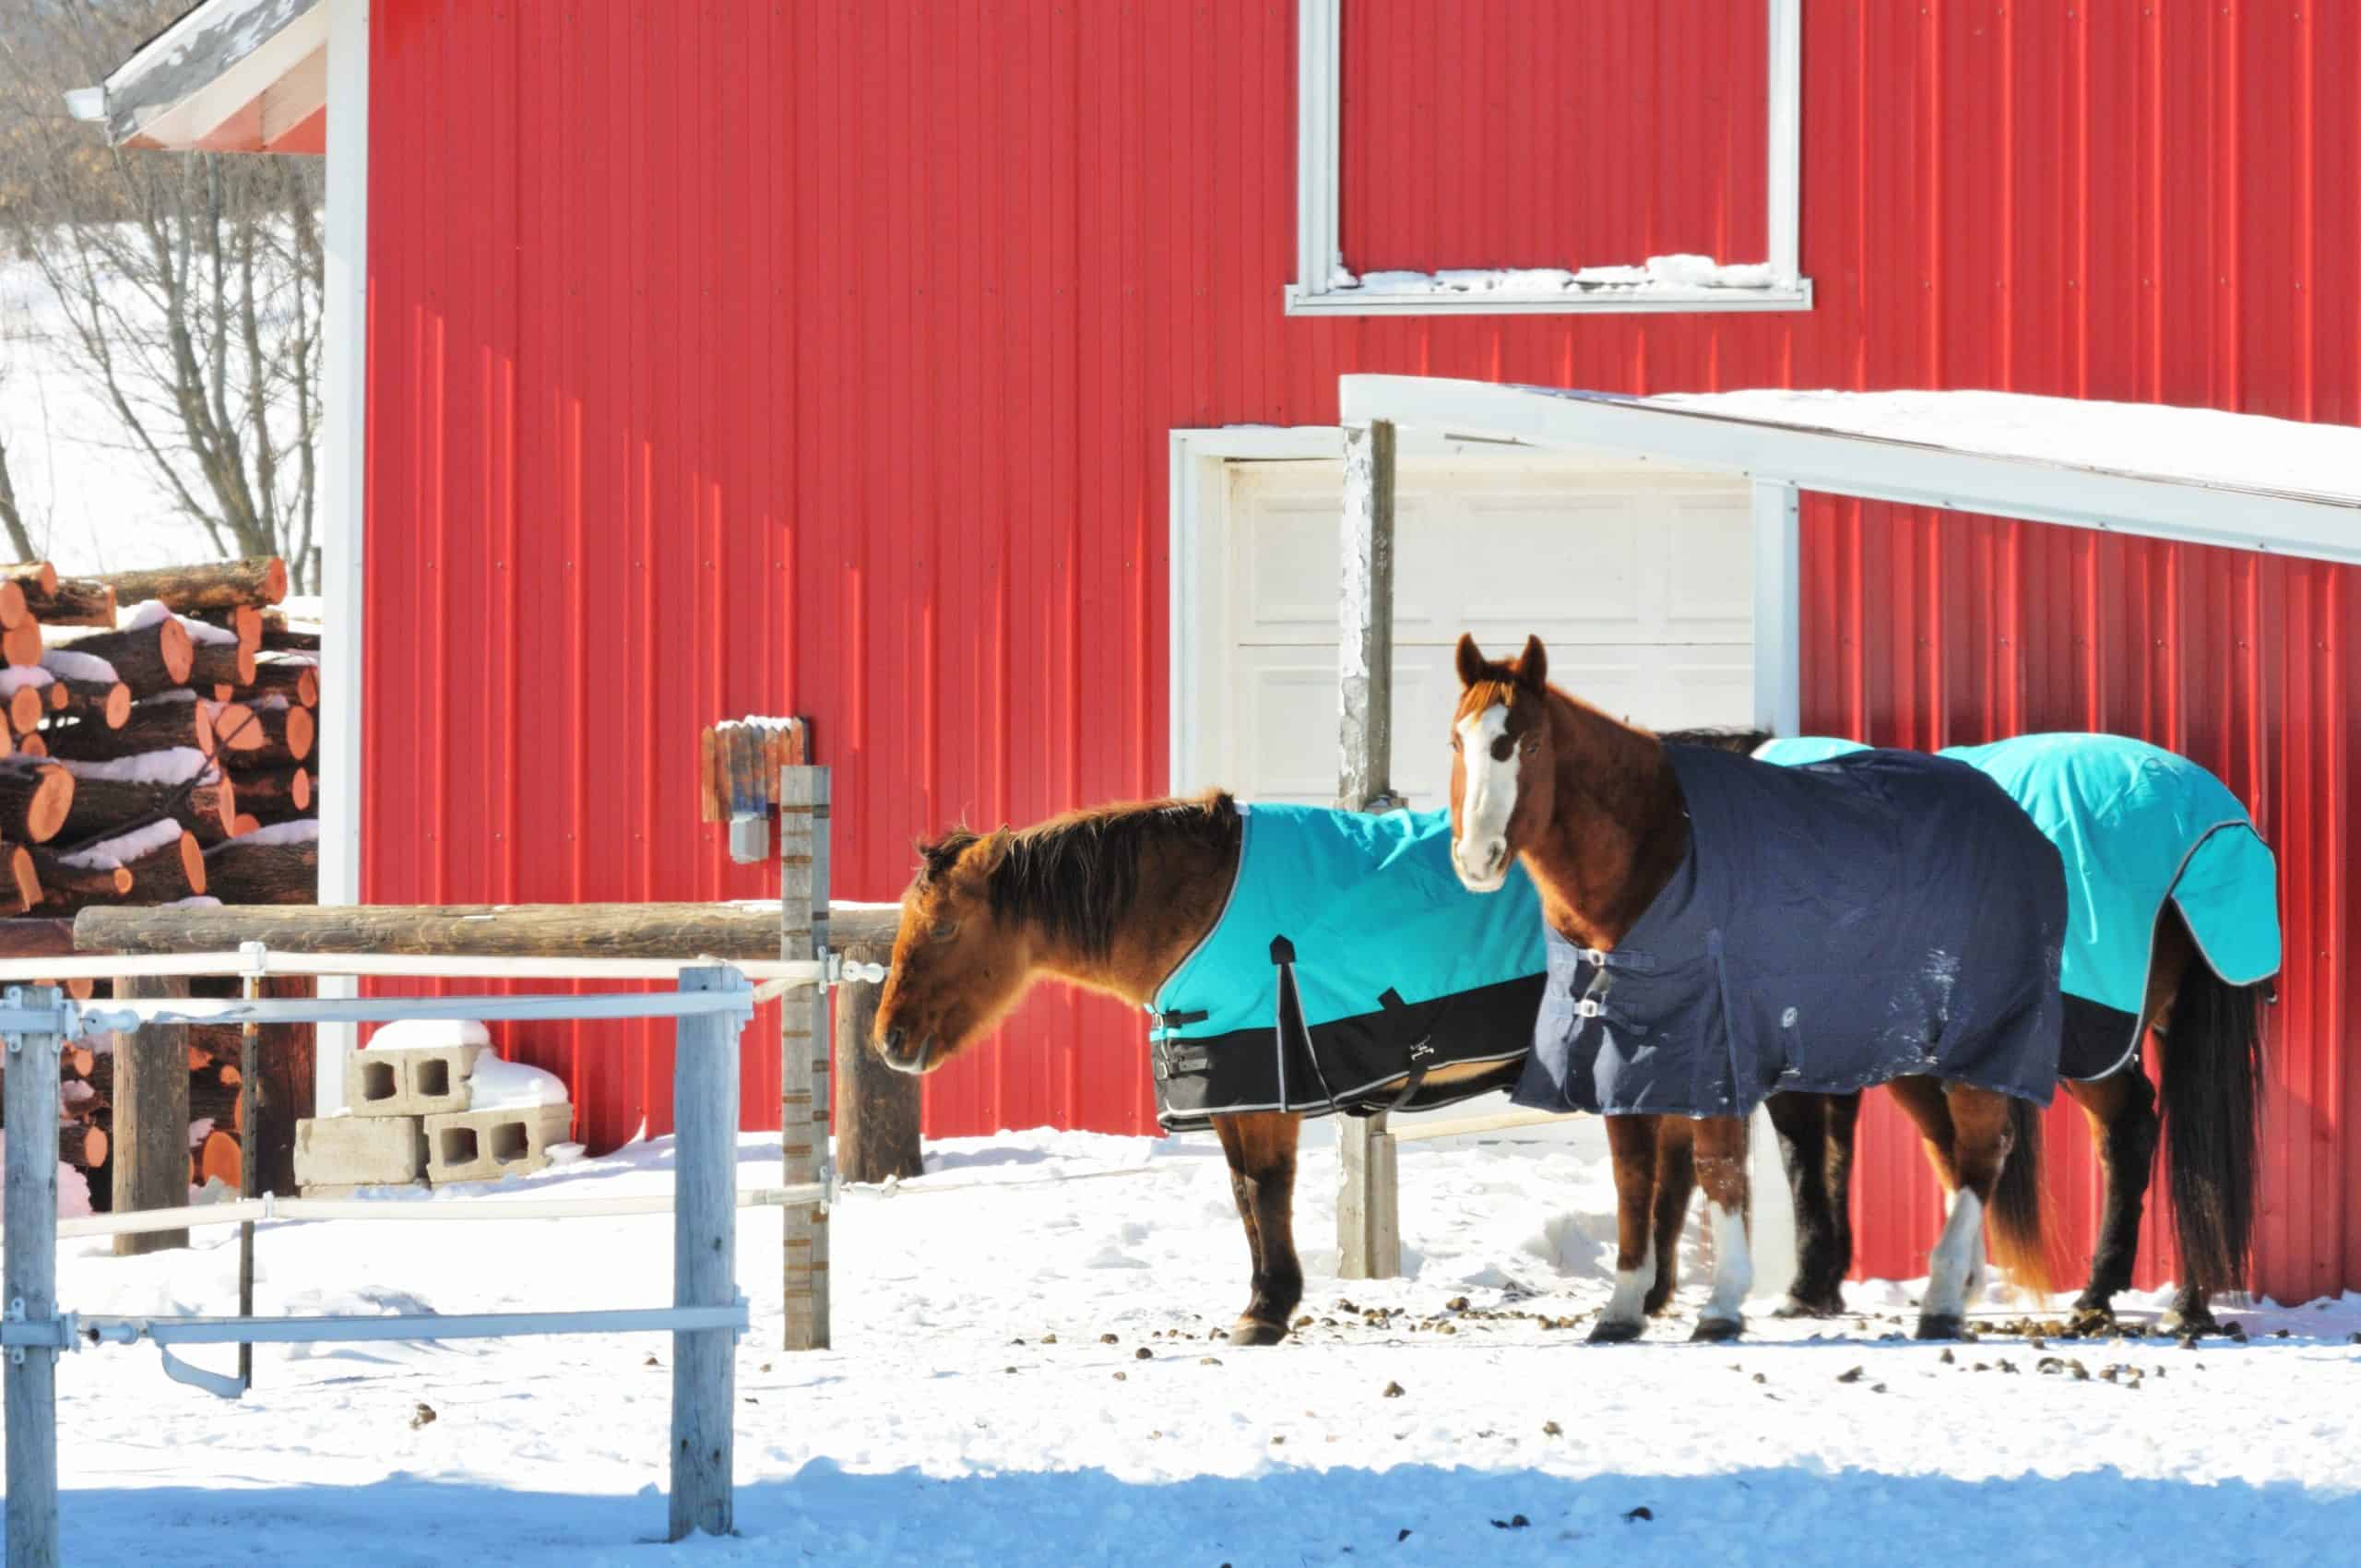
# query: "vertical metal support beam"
{"points": [[1778, 609], [803, 1051], [250, 1147], [1369, 1232], [705, 1258], [152, 1117], [29, 1290]]}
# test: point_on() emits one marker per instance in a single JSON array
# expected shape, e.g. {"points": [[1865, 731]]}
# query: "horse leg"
{"points": [[1923, 1101], [1633, 1142], [1260, 1148], [1808, 1147], [2122, 1112], [1721, 1170], [1979, 1142], [1676, 1179]]}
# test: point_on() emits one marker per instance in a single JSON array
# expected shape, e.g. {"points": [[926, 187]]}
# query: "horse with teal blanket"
{"points": [[2173, 930]]}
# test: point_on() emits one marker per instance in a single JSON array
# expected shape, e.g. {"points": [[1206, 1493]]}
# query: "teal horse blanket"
{"points": [[2135, 825], [1347, 964]]}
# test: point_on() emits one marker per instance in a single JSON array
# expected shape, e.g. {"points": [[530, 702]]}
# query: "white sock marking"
{"points": [[1733, 1264], [1955, 1251], [1629, 1302]]}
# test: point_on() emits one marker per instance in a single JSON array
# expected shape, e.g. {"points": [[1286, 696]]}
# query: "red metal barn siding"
{"points": [[822, 359]]}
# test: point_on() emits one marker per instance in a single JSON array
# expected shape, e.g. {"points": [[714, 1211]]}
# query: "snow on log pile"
{"points": [[156, 738]]}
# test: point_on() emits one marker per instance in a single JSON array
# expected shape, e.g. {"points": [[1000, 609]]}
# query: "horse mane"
{"points": [[1740, 740], [1079, 874]]}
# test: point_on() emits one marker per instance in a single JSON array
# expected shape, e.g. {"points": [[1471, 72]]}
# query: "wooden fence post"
{"points": [[152, 1117], [877, 1109], [704, 1258], [1369, 1233], [31, 1278], [803, 1050]]}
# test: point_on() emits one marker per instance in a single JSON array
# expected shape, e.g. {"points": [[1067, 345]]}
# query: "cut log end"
{"points": [[301, 790], [193, 863], [94, 1147], [31, 745], [21, 643], [218, 1158], [118, 708], [302, 729], [177, 647], [307, 687], [52, 803], [274, 580], [25, 708], [13, 611], [244, 824], [26, 880]]}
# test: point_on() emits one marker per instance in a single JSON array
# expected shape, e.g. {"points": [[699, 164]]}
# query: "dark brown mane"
{"points": [[1742, 741], [1079, 874]]}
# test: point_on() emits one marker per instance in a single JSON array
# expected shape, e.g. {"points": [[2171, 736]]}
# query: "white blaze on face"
{"points": [[1480, 853]]}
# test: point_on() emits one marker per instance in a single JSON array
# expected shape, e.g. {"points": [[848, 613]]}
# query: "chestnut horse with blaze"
{"points": [[1723, 930]]}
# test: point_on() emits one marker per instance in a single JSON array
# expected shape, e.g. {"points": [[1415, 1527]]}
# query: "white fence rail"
{"points": [[710, 1010]]}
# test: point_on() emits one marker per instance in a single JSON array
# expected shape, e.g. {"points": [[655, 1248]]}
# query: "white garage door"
{"points": [[1640, 584]]}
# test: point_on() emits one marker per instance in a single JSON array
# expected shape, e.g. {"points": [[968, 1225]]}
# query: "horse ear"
{"points": [[1471, 660], [1533, 664], [995, 851]]}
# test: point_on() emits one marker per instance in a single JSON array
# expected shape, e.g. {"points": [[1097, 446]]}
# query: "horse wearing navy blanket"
{"points": [[1722, 929]]}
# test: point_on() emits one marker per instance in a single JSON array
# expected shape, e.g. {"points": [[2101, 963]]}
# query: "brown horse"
{"points": [[1112, 900], [2212, 1075], [1595, 811]]}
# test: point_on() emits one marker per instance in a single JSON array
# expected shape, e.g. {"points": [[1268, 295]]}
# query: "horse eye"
{"points": [[944, 929], [1531, 746]]}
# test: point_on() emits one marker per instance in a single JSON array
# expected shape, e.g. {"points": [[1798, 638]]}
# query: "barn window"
{"points": [[1654, 144]]}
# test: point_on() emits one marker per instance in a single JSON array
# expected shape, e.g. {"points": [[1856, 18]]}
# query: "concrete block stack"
{"points": [[410, 1121]]}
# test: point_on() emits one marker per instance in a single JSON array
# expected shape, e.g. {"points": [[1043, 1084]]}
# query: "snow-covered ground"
{"points": [[948, 1427]]}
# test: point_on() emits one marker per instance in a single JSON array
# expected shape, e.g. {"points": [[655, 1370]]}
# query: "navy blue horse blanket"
{"points": [[1832, 926]]}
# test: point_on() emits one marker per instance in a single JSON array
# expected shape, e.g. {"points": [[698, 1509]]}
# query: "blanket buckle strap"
{"points": [[1390, 1000], [1290, 1024]]}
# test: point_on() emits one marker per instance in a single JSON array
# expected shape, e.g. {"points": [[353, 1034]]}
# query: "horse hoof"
{"points": [[2092, 1319], [1613, 1331], [1941, 1327], [1253, 1331], [1798, 1306], [1717, 1330], [2190, 1322]]}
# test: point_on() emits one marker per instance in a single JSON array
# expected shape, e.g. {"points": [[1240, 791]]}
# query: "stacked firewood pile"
{"points": [[156, 747]]}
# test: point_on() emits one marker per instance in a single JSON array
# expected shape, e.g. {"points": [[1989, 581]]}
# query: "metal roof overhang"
{"points": [[228, 76], [1903, 448]]}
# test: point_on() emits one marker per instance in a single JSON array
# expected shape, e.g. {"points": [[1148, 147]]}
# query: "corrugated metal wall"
{"points": [[736, 358]]}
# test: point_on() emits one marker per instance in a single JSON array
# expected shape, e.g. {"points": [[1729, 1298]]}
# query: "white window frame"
{"points": [[1324, 287]]}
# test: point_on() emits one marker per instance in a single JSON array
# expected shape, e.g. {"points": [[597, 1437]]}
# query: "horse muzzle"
{"points": [[902, 1056], [1487, 872]]}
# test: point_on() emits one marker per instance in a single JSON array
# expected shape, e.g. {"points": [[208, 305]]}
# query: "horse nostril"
{"points": [[893, 1038]]}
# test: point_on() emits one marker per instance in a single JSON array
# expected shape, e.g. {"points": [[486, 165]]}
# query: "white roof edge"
{"points": [[1937, 465], [203, 44]]}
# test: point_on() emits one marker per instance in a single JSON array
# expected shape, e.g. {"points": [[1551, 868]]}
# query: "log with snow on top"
{"points": [[182, 782], [165, 721], [266, 732], [162, 861], [213, 585], [86, 687], [219, 659], [24, 691], [36, 799], [269, 866], [151, 653], [295, 676], [278, 794]]}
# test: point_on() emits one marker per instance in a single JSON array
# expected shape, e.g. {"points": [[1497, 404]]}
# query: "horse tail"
{"points": [[2019, 1240], [2212, 1076]]}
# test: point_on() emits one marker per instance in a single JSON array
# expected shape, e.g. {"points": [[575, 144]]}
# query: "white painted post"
{"points": [[1778, 608], [705, 1258], [30, 1286], [1369, 1232], [803, 1050]]}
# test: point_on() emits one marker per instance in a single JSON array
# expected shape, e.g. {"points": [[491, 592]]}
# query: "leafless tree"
{"points": [[189, 285]]}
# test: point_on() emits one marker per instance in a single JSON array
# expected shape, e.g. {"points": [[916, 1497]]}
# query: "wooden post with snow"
{"points": [[705, 1258], [803, 1050], [32, 1283], [1368, 1233], [150, 1117]]}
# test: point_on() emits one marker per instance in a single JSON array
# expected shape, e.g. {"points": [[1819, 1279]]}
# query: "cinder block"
{"points": [[354, 1189], [422, 1080], [482, 1145], [353, 1151]]}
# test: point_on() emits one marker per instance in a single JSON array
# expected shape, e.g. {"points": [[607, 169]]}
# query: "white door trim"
{"points": [[344, 395]]}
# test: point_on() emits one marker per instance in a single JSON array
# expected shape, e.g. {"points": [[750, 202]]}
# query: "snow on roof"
{"points": [[2151, 440], [2198, 475]]}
